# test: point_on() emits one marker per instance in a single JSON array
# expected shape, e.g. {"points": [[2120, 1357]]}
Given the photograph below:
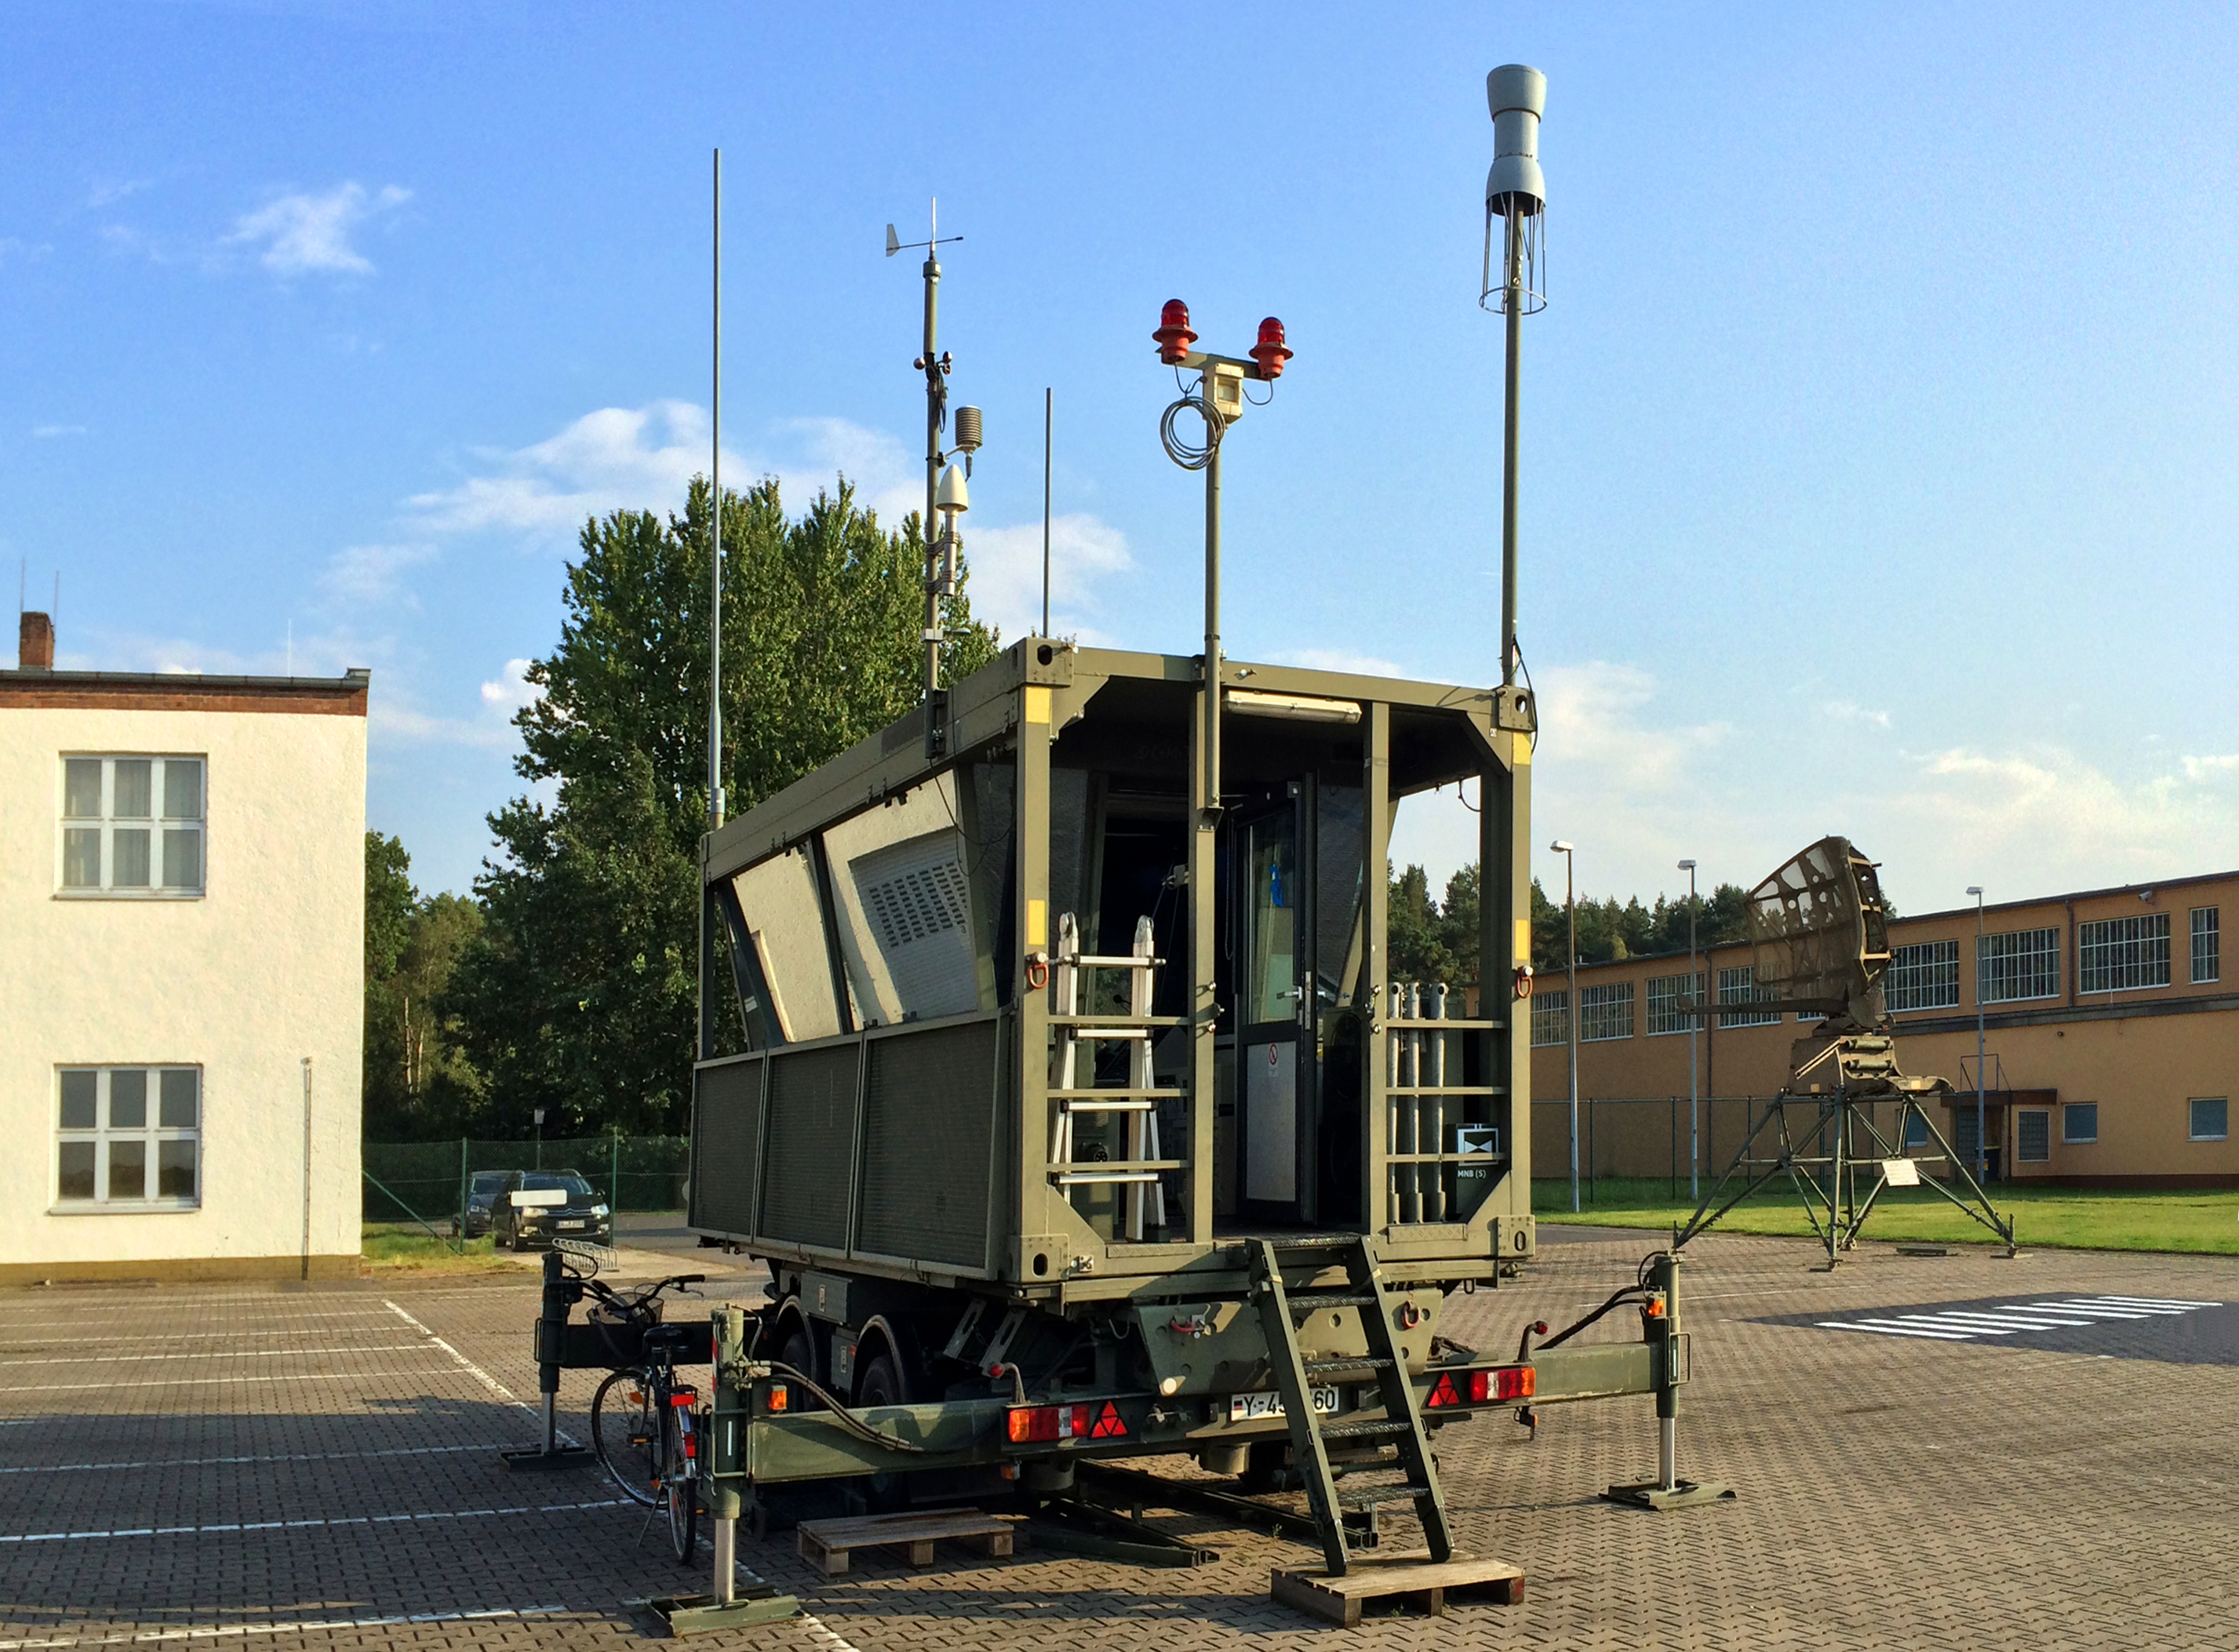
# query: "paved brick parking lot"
{"points": [[277, 1469]]}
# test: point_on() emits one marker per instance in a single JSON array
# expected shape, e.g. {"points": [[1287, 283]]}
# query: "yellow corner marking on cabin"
{"points": [[1038, 912], [1038, 703], [1520, 750], [1523, 940]]}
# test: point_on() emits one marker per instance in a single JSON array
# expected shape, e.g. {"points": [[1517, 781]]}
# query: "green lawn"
{"points": [[406, 1247], [2068, 1217]]}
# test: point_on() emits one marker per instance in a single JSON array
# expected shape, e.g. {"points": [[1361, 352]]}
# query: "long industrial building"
{"points": [[2109, 1033]]}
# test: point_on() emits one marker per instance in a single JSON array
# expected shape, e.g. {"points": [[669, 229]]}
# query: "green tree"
{"points": [[579, 993], [418, 1082]]}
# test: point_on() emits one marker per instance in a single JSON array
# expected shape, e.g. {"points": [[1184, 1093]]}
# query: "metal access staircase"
{"points": [[1346, 1518]]}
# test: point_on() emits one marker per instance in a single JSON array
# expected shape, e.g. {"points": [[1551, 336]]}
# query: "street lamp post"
{"points": [[1982, 1154], [1571, 999], [1694, 1022], [539, 1139]]}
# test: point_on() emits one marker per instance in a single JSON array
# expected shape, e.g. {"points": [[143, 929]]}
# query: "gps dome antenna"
{"points": [[935, 367], [1516, 197]]}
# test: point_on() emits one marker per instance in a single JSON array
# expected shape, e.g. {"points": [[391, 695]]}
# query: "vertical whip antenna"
{"points": [[716, 492], [1515, 195]]}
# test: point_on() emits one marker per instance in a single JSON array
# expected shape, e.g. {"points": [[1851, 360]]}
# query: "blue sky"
{"points": [[1879, 436]]}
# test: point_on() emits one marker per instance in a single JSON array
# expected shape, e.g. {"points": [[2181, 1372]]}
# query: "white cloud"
{"points": [[1006, 573], [1361, 665], [14, 249], [1849, 711], [108, 192], [48, 432], [512, 690], [305, 234], [2208, 768], [361, 576]]}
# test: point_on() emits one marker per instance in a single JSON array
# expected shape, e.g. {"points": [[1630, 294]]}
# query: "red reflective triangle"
{"points": [[1108, 1426], [1444, 1393]]}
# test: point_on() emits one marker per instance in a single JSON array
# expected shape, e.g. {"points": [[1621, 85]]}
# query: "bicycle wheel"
{"points": [[679, 1490], [622, 1434]]}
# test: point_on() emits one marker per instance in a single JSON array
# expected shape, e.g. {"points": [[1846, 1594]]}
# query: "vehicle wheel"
{"points": [[1264, 1469], [679, 1490], [623, 1433], [798, 1353], [880, 1383]]}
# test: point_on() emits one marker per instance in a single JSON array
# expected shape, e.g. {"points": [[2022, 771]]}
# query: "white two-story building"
{"points": [[181, 971]]}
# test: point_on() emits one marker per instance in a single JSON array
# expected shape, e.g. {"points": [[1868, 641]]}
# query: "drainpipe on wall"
{"points": [[307, 1167]]}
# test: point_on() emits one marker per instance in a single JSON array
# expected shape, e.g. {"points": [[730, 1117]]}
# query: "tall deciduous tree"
{"points": [[417, 1083], [579, 996]]}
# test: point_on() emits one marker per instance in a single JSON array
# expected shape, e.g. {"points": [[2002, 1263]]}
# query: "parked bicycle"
{"points": [[644, 1422]]}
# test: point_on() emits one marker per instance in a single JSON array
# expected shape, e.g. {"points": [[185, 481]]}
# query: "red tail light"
{"points": [[1040, 1425], [1498, 1385]]}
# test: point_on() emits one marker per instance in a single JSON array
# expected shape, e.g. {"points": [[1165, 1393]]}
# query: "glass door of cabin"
{"points": [[1274, 1048]]}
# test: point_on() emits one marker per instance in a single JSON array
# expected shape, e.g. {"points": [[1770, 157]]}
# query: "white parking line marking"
{"points": [[330, 1520], [2017, 1321], [209, 1382], [2160, 1301], [1881, 1330], [265, 1456], [302, 1626], [77, 1341], [476, 1371], [221, 1353], [1938, 1322]]}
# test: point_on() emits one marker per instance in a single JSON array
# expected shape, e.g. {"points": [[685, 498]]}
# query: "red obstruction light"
{"points": [[1271, 352], [1173, 336]]}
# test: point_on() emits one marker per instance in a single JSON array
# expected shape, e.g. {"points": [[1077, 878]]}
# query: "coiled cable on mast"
{"points": [[1190, 457]]}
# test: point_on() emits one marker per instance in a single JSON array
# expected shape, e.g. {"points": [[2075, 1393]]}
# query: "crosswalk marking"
{"points": [[2007, 1319]]}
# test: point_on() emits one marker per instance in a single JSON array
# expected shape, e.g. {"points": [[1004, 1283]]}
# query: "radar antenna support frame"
{"points": [[1820, 934]]}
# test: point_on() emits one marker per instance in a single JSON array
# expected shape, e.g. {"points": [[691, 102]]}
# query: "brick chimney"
{"points": [[34, 648]]}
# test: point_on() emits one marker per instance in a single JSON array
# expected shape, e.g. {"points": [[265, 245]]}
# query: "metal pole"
{"points": [[932, 401], [1212, 630], [1571, 998], [1982, 1152], [1694, 1027], [1049, 408], [715, 565], [1508, 455]]}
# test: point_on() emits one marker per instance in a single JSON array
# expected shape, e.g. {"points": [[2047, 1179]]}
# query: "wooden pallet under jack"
{"points": [[1354, 1574]]}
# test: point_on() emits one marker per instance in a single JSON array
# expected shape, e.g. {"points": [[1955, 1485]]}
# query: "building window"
{"points": [[2079, 1122], [1551, 1018], [1915, 1131], [2019, 964], [132, 826], [2032, 1135], [1925, 977], [2123, 954], [1739, 986], [2207, 946], [1605, 1011], [2211, 1118], [1670, 998], [128, 1137]]}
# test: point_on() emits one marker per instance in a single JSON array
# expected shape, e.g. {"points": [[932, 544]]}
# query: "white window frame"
{"points": [[1737, 989], [2022, 1116], [1599, 1006], [1924, 976], [2128, 954], [2001, 958], [2069, 1110], [2207, 945], [152, 1133], [107, 823], [2192, 1119], [1550, 1020], [1668, 1005]]}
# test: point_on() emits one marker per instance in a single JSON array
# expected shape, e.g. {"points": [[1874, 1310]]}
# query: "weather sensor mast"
{"points": [[1516, 198]]}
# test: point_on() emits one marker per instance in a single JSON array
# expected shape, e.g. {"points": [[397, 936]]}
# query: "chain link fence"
{"points": [[426, 1183]]}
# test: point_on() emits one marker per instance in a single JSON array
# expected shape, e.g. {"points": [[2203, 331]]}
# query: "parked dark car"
{"points": [[525, 1214], [481, 1189]]}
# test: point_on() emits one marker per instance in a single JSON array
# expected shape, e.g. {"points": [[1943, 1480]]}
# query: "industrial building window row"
{"points": [[1670, 1000], [132, 826], [1605, 1011], [128, 1137], [1923, 977], [1550, 1018], [2016, 964], [1738, 985], [2207, 946], [2123, 954]]}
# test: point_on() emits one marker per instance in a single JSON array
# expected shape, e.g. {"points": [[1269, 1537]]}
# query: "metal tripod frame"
{"points": [[1833, 1209]]}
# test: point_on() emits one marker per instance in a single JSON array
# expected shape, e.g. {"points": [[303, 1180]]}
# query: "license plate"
{"points": [[571, 1224], [1243, 1407]]}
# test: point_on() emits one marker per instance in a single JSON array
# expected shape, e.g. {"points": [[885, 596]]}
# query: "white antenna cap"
{"points": [[1517, 98], [952, 495]]}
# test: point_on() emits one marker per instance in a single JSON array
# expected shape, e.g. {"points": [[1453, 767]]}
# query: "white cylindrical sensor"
{"points": [[1517, 98]]}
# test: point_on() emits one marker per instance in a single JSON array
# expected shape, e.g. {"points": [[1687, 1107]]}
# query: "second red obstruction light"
{"points": [[1173, 336], [1271, 352]]}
